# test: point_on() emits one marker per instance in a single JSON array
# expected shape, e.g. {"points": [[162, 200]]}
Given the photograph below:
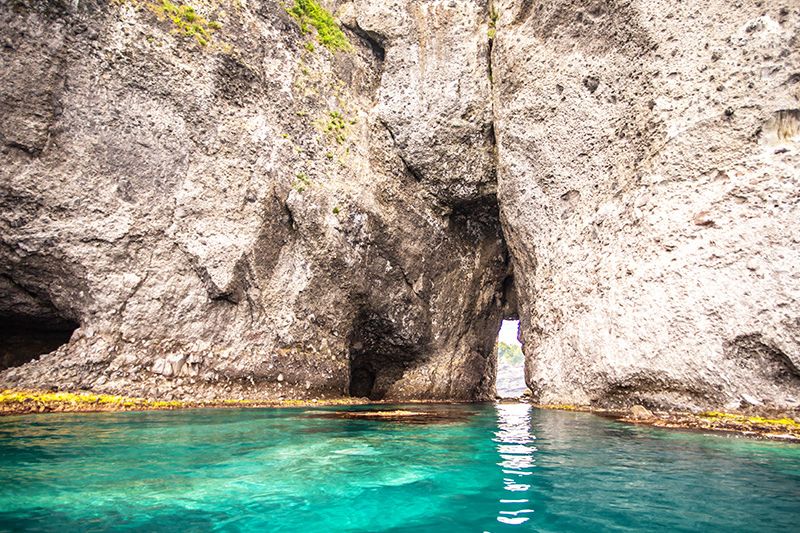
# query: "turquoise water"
{"points": [[479, 468]]}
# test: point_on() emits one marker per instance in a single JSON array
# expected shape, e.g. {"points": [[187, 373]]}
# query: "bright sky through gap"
{"points": [[508, 332]]}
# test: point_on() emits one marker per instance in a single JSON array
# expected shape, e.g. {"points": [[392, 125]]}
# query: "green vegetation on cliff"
{"points": [[493, 16], [310, 13], [336, 125], [187, 21], [302, 182]]}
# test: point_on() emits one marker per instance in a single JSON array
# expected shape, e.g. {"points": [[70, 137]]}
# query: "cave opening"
{"points": [[362, 380], [379, 355], [510, 376], [30, 324], [22, 341]]}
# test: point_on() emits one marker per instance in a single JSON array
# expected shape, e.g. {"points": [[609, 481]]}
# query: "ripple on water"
{"points": [[513, 440], [474, 468]]}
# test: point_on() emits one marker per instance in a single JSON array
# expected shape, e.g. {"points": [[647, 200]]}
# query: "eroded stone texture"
{"points": [[251, 218], [435, 93], [262, 217], [649, 169]]}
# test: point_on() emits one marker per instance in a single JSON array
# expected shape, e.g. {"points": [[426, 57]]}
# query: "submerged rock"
{"points": [[441, 415]]}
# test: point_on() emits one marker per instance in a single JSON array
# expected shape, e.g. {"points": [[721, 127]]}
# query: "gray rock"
{"points": [[689, 299], [163, 367], [751, 400], [624, 177], [639, 412], [206, 211]]}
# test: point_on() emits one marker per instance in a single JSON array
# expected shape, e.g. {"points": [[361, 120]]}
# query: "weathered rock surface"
{"points": [[257, 217], [649, 182], [264, 217]]}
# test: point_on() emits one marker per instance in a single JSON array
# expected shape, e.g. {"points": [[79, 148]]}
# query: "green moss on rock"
{"points": [[187, 21], [309, 13], [302, 182]]}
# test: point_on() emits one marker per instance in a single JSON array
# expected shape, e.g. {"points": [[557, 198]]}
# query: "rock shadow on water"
{"points": [[410, 415]]}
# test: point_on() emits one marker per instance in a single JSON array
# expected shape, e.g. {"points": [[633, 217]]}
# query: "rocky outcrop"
{"points": [[237, 200], [648, 182], [245, 212]]}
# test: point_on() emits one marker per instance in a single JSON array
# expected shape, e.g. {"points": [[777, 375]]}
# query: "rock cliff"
{"points": [[245, 210], [648, 160], [256, 199]]}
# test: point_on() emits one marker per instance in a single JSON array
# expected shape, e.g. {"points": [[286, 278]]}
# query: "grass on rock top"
{"points": [[310, 13], [187, 21]]}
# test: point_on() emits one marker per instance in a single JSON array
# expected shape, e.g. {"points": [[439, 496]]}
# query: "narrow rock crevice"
{"points": [[371, 39], [410, 170]]}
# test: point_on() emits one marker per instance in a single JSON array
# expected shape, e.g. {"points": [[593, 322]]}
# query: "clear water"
{"points": [[494, 468]]}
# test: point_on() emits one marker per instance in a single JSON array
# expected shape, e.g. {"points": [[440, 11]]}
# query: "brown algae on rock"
{"points": [[783, 428], [436, 415], [761, 427]]}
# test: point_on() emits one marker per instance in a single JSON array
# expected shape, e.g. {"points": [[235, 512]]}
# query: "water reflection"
{"points": [[515, 445]]}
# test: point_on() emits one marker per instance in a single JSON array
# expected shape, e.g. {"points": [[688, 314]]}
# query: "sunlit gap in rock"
{"points": [[510, 381]]}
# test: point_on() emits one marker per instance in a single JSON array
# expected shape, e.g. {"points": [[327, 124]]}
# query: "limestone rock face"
{"points": [[257, 216], [649, 183], [435, 94], [221, 205]]}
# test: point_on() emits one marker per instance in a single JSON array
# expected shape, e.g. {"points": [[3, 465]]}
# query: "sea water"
{"points": [[456, 468]]}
